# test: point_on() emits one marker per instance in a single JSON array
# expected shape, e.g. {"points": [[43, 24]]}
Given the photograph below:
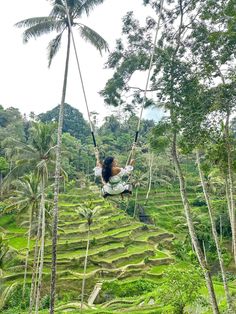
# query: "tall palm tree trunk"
{"points": [[27, 252], [35, 265], [42, 204], [191, 229], [36, 275], [84, 274], [214, 232], [230, 199], [150, 177], [57, 181], [135, 201]]}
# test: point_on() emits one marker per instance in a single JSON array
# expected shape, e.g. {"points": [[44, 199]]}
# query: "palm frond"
{"points": [[19, 144], [53, 47], [58, 11], [21, 166], [41, 29], [85, 6], [93, 37], [7, 293], [33, 21]]}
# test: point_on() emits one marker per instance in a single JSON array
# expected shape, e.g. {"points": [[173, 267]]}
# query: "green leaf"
{"points": [[93, 37]]}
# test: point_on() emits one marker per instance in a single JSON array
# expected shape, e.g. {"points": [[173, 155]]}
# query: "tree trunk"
{"points": [[229, 210], [36, 275], [135, 202], [221, 231], [85, 268], [204, 250], [150, 178], [27, 252], [191, 229], [42, 204], [57, 182], [214, 232], [230, 184], [35, 265], [0, 184]]}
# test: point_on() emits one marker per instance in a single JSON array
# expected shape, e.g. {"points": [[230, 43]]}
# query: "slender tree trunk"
{"points": [[228, 201], [40, 275], [27, 253], [204, 250], [230, 184], [221, 231], [214, 232], [150, 178], [57, 182], [191, 229], [35, 264], [135, 202], [0, 183], [36, 275], [229, 211], [84, 274]]}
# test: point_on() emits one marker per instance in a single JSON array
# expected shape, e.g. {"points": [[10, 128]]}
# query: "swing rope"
{"points": [[80, 75], [147, 83], [146, 87]]}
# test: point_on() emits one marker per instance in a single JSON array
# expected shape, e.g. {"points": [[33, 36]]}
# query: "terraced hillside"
{"points": [[120, 247], [165, 207]]}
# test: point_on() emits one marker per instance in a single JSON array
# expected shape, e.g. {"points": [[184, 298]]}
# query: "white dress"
{"points": [[115, 184]]}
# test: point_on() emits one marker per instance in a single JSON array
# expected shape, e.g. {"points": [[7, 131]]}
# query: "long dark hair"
{"points": [[106, 168]]}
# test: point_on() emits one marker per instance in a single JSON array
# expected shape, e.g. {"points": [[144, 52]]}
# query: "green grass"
{"points": [[92, 251], [19, 243], [160, 254], [158, 269]]}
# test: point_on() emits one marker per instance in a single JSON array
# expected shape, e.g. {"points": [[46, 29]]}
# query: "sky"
{"points": [[27, 83]]}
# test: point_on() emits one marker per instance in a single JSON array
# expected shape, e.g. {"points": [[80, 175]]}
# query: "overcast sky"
{"points": [[25, 80]]}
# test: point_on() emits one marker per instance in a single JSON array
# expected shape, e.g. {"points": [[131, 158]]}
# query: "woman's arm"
{"points": [[132, 162], [98, 162]]}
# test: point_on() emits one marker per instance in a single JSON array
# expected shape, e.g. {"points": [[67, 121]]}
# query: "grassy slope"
{"points": [[119, 246]]}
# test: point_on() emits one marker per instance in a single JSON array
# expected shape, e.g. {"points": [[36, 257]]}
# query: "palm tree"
{"points": [[88, 211], [58, 21], [37, 156], [26, 199], [42, 140]]}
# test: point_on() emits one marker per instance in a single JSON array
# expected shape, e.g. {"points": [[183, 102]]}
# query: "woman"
{"points": [[112, 175]]}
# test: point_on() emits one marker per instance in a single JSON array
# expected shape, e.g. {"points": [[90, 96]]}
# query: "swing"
{"points": [[128, 190]]}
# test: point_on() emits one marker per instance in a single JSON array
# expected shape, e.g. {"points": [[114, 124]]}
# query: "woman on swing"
{"points": [[112, 175]]}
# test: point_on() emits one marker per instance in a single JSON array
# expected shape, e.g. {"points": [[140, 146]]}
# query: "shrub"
{"points": [[45, 302], [145, 228], [198, 202], [180, 287], [128, 289], [14, 299], [93, 241], [2, 206]]}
